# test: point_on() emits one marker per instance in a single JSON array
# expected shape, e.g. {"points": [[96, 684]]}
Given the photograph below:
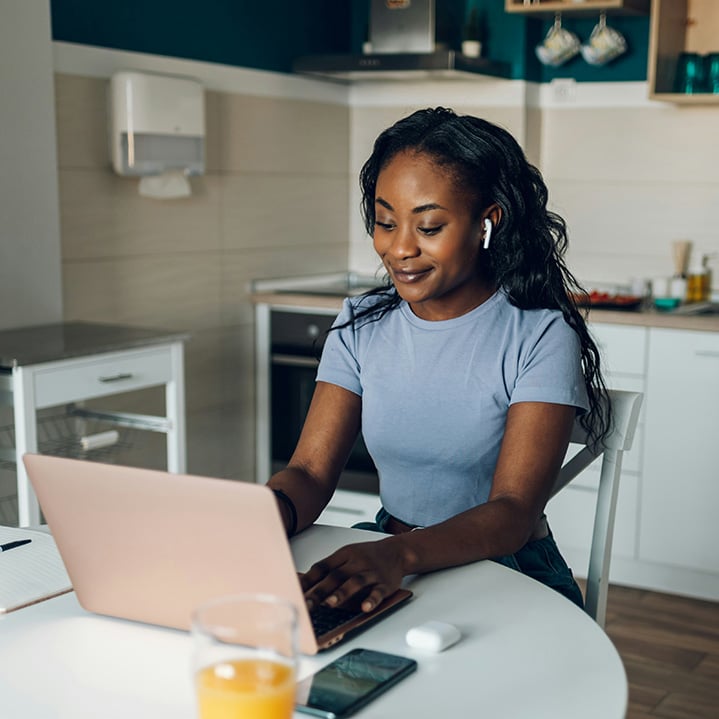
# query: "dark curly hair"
{"points": [[525, 258]]}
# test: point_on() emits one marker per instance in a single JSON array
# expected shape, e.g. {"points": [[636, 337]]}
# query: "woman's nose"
{"points": [[404, 244]]}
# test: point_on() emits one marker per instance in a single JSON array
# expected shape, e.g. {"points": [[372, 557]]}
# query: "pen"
{"points": [[12, 545]]}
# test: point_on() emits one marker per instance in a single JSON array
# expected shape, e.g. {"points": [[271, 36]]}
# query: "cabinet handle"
{"points": [[293, 361], [706, 353], [116, 377]]}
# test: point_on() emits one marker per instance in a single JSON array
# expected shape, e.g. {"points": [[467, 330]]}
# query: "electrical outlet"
{"points": [[564, 89]]}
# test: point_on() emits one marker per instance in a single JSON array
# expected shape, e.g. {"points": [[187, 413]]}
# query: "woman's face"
{"points": [[428, 238]]}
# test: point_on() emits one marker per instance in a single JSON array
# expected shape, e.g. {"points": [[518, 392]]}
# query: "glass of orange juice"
{"points": [[245, 656]]}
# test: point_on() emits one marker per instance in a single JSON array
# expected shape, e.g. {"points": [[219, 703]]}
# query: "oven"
{"points": [[296, 339]]}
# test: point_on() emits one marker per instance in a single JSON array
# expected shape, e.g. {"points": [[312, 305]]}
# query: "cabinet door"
{"points": [[678, 26], [571, 512], [623, 350], [571, 516], [680, 488], [624, 362]]}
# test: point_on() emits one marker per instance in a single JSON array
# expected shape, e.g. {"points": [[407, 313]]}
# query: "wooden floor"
{"points": [[670, 649]]}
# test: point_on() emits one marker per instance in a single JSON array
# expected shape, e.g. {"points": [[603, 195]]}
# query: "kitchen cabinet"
{"points": [[680, 496], [575, 7], [669, 490], [571, 512], [680, 26]]}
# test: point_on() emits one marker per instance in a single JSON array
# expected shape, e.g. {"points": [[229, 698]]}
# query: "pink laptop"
{"points": [[150, 546]]}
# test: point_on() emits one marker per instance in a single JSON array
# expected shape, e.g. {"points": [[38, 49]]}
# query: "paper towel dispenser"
{"points": [[157, 124]]}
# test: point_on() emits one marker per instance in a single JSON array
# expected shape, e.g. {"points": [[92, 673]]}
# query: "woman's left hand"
{"points": [[373, 569]]}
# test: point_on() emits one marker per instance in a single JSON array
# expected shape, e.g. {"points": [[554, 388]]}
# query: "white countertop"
{"points": [[645, 318]]}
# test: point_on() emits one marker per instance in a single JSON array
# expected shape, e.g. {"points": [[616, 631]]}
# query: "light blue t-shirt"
{"points": [[435, 395]]}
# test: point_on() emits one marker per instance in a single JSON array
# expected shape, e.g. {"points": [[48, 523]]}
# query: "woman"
{"points": [[465, 374]]}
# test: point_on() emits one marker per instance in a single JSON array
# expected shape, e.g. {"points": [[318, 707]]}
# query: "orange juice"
{"points": [[246, 689]]}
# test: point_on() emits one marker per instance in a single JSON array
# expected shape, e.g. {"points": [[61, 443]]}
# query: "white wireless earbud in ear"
{"points": [[487, 232]]}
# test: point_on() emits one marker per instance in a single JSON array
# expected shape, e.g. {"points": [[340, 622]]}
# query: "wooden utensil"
{"points": [[680, 254]]}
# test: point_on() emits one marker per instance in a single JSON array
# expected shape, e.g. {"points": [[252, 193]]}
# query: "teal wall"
{"points": [[261, 34], [269, 34], [632, 66]]}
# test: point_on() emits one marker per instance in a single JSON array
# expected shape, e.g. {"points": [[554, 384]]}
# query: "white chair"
{"points": [[625, 413]]}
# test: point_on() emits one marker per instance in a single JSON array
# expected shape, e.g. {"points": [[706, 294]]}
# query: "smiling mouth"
{"points": [[409, 276]]}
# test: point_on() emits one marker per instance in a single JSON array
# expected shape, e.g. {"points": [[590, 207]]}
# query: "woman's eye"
{"points": [[384, 225], [429, 231]]}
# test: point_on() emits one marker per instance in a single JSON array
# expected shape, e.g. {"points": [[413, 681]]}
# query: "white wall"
{"points": [[631, 176], [30, 276]]}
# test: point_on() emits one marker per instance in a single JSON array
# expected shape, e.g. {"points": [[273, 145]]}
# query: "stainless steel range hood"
{"points": [[402, 40], [440, 65]]}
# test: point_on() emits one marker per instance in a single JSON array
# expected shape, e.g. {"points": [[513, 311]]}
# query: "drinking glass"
{"points": [[245, 657], [690, 73], [712, 72]]}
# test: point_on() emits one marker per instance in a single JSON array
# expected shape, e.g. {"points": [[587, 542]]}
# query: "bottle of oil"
{"points": [[699, 282]]}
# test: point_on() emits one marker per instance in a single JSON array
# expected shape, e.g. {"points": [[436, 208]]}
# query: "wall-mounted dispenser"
{"points": [[157, 131]]}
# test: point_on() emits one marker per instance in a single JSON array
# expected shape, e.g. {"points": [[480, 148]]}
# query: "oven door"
{"points": [[296, 342]]}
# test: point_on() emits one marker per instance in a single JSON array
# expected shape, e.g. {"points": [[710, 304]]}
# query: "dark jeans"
{"points": [[540, 560]]}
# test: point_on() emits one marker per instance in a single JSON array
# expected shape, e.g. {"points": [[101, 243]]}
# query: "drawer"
{"points": [[628, 383], [623, 348], [82, 378], [687, 359]]}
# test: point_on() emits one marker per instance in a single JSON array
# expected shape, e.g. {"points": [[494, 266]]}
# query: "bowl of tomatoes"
{"points": [[603, 300]]}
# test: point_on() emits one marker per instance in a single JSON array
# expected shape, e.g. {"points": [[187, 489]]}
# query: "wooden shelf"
{"points": [[680, 26], [542, 8], [679, 98]]}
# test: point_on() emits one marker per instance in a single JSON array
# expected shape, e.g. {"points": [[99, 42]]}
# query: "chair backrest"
{"points": [[625, 414]]}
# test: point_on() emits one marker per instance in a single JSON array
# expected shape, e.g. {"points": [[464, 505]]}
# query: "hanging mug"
{"points": [[558, 46], [604, 44]]}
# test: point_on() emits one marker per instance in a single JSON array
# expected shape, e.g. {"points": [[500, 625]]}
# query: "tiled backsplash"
{"points": [[274, 201]]}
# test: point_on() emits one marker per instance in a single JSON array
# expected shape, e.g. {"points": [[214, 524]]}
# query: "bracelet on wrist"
{"points": [[290, 507]]}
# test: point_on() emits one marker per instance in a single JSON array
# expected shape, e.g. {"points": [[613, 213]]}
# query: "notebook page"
{"points": [[30, 573]]}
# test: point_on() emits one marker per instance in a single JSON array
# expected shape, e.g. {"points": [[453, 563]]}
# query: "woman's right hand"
{"points": [[371, 570]]}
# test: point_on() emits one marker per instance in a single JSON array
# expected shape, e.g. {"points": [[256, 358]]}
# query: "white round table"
{"points": [[525, 652]]}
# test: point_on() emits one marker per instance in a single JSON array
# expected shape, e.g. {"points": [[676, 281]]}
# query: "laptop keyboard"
{"points": [[324, 618]]}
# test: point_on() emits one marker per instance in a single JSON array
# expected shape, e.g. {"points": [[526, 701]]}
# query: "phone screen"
{"points": [[350, 682]]}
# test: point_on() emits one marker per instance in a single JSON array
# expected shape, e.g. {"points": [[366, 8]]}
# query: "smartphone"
{"points": [[350, 682]]}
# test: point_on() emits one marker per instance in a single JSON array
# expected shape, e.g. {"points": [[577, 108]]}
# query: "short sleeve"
{"points": [[551, 367], [339, 363]]}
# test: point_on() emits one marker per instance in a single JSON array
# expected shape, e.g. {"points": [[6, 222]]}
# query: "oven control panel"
{"points": [[299, 332]]}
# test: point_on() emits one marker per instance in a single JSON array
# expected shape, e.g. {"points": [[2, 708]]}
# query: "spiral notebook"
{"points": [[31, 572]]}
